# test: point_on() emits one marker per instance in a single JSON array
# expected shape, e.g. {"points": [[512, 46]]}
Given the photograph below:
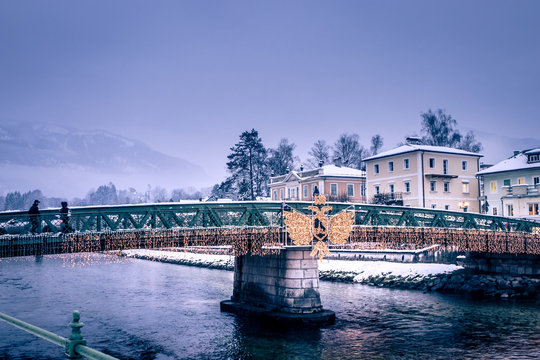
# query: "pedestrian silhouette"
{"points": [[64, 218], [33, 215]]}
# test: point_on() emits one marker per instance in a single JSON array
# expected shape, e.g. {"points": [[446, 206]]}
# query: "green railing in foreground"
{"points": [[75, 346], [240, 214]]}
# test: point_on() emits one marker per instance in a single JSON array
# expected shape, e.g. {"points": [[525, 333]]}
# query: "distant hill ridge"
{"points": [[51, 145], [35, 155]]}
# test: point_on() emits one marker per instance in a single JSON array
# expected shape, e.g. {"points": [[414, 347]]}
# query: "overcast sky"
{"points": [[187, 77]]}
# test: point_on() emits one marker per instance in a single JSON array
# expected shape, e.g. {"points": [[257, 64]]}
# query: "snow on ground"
{"points": [[365, 269], [361, 270], [181, 257]]}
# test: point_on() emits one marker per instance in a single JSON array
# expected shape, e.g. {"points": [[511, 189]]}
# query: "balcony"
{"points": [[521, 190], [395, 198], [440, 176]]}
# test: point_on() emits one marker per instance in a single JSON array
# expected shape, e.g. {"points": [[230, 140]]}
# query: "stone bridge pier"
{"points": [[280, 287]]}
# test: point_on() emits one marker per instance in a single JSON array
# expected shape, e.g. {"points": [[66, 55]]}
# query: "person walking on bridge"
{"points": [[64, 218], [33, 215]]}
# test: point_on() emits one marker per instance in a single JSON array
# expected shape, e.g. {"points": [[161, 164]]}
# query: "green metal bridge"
{"points": [[241, 214]]}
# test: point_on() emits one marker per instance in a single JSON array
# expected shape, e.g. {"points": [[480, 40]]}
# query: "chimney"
{"points": [[516, 152], [321, 163], [302, 167], [337, 161], [413, 140]]}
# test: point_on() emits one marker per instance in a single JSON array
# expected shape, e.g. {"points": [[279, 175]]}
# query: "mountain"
{"points": [[63, 161]]}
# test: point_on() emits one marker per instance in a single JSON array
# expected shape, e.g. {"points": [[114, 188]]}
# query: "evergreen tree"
{"points": [[319, 152], [282, 158], [247, 165]]}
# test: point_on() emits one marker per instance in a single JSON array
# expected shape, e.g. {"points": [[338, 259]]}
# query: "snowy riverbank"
{"points": [[412, 276]]}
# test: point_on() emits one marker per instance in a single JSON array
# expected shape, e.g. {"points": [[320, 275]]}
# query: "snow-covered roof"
{"points": [[333, 170], [532, 151], [326, 170], [413, 147], [516, 162]]}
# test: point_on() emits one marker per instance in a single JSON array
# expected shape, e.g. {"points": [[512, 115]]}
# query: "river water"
{"points": [[136, 309]]}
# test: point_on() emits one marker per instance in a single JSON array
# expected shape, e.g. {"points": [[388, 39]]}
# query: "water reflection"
{"points": [[145, 310]]}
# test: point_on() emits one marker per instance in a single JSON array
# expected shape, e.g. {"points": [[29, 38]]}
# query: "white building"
{"points": [[511, 187], [426, 176]]}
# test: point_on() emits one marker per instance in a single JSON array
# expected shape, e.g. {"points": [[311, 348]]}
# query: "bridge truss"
{"points": [[241, 214], [256, 227]]}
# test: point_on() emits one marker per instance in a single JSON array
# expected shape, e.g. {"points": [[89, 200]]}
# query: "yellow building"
{"points": [[338, 183], [426, 176]]}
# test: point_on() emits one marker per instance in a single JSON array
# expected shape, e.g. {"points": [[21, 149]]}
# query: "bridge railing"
{"points": [[74, 347], [240, 214]]}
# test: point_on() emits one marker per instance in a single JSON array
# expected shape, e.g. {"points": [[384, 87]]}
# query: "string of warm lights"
{"points": [[451, 239], [266, 240]]}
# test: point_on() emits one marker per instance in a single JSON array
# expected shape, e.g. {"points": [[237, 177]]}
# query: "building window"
{"points": [[464, 165], [391, 187], [446, 186], [405, 164], [305, 191], [376, 168], [433, 206], [363, 190], [536, 180], [465, 187], [377, 189], [521, 181], [274, 195], [314, 189], [493, 187], [407, 186], [533, 158], [350, 190], [446, 207], [433, 185], [431, 163], [281, 194], [494, 211], [506, 182], [445, 166], [391, 166], [533, 209], [510, 210], [333, 189]]}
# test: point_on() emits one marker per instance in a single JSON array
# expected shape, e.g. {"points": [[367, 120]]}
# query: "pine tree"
{"points": [[247, 165]]}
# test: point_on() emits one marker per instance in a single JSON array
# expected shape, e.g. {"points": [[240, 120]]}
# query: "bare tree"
{"points": [[348, 150], [282, 158], [320, 151], [376, 144], [439, 130]]}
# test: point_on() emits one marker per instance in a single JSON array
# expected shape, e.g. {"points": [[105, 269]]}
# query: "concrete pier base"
{"points": [[282, 287]]}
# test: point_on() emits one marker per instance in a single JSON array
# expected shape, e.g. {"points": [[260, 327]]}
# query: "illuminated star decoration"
{"points": [[303, 229]]}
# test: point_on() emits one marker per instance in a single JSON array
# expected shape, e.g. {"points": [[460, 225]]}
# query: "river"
{"points": [[137, 309]]}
